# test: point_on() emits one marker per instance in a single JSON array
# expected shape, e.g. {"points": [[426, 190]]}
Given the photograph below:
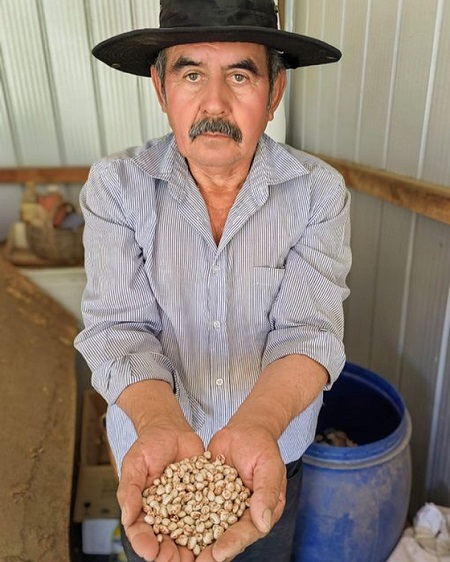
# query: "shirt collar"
{"points": [[272, 165]]}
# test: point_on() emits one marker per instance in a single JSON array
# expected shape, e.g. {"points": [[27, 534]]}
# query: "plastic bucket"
{"points": [[355, 500]]}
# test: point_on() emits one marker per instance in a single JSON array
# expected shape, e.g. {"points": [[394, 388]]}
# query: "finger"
{"points": [[265, 513], [206, 555], [236, 539], [268, 498], [129, 492], [170, 552], [143, 540], [186, 555], [129, 496]]}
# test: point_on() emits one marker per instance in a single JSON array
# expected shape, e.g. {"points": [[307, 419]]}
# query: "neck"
{"points": [[219, 181], [219, 189]]}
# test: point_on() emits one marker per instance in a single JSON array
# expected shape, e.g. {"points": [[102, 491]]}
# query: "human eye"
{"points": [[192, 76], [239, 78]]}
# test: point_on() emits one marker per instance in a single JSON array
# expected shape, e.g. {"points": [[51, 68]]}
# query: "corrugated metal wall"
{"points": [[386, 104], [58, 105], [63, 106]]}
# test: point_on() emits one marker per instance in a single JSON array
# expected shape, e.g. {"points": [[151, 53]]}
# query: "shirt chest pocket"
{"points": [[265, 287]]}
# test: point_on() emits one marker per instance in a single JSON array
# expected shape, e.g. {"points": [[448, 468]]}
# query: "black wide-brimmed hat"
{"points": [[199, 21]]}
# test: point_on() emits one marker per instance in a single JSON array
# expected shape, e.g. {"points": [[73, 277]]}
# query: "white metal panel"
{"points": [[438, 469], [118, 100], [315, 89], [316, 102], [382, 104], [8, 155], [70, 75], [25, 75], [430, 279], [145, 14], [296, 113], [352, 74], [333, 26], [153, 121], [311, 85], [436, 166], [392, 110], [366, 222], [411, 86], [379, 75], [392, 278]]}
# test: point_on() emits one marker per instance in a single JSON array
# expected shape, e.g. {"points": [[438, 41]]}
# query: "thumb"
{"points": [[130, 500], [268, 499], [262, 514]]}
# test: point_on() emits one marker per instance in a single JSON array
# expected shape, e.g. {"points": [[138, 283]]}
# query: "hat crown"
{"points": [[220, 13], [200, 21]]}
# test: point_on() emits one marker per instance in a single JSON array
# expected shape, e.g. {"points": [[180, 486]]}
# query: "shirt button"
{"points": [[219, 382], [216, 324], [215, 269]]}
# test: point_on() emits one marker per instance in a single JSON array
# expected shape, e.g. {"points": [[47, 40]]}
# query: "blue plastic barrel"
{"points": [[355, 501]]}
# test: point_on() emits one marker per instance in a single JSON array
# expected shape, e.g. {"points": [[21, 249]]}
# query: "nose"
{"points": [[215, 97]]}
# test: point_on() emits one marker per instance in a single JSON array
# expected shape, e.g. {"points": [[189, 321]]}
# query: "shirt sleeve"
{"points": [[121, 320], [307, 315]]}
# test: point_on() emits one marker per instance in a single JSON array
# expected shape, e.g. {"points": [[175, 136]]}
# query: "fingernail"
{"points": [[267, 520]]}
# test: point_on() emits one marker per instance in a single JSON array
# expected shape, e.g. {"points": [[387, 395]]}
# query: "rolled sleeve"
{"points": [[120, 314], [307, 314]]}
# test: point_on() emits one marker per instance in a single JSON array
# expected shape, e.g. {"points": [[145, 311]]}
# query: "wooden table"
{"points": [[37, 421]]}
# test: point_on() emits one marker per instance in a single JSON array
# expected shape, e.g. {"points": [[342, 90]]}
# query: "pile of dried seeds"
{"points": [[334, 437], [195, 500]]}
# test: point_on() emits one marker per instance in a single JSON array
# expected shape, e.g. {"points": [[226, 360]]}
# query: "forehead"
{"points": [[225, 53]]}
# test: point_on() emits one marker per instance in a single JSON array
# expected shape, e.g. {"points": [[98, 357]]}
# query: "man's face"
{"points": [[226, 84]]}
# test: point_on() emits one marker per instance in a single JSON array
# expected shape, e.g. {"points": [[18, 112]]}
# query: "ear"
{"points": [[278, 90], [156, 80]]}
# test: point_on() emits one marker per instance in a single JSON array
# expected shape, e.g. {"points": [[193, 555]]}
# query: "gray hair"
{"points": [[275, 65]]}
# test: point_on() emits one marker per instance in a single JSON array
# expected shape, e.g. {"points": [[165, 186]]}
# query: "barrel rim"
{"points": [[369, 453]]}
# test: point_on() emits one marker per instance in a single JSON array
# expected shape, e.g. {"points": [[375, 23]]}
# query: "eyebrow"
{"points": [[244, 64], [182, 62]]}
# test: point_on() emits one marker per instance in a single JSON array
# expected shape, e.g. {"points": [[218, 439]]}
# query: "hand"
{"points": [[158, 446], [254, 452]]}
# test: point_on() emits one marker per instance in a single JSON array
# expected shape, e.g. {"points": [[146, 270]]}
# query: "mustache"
{"points": [[222, 126]]}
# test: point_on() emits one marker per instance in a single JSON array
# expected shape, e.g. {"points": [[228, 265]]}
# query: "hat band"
{"points": [[210, 13]]}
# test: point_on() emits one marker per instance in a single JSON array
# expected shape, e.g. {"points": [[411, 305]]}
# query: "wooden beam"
{"points": [[44, 175], [424, 198]]}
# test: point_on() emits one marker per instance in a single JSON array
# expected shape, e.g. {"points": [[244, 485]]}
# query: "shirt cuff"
{"points": [[321, 346], [112, 379]]}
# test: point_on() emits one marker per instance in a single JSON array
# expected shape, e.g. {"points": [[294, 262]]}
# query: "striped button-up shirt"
{"points": [[164, 301]]}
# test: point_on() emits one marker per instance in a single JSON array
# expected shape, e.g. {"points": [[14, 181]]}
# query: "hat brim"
{"points": [[135, 51]]}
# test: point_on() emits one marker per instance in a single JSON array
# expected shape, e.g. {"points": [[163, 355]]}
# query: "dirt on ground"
{"points": [[37, 421]]}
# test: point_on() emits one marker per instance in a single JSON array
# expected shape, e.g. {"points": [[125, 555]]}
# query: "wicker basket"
{"points": [[57, 245]]}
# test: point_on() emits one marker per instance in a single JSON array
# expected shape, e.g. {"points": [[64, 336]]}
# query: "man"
{"points": [[216, 263]]}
